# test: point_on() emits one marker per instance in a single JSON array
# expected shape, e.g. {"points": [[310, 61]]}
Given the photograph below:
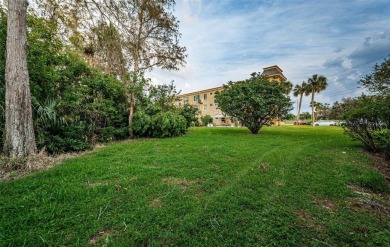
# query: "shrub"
{"points": [[371, 114], [168, 124], [206, 119], [162, 124], [66, 139], [382, 141], [142, 124], [189, 113]]}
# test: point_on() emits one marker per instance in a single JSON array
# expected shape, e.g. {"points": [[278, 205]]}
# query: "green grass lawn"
{"points": [[291, 185]]}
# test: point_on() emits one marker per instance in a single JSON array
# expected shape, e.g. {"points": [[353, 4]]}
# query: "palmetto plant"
{"points": [[45, 118], [316, 84]]}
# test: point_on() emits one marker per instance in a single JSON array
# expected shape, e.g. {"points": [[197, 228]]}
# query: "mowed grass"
{"points": [[292, 185]]}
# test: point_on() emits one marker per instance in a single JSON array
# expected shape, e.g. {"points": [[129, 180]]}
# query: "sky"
{"points": [[227, 40]]}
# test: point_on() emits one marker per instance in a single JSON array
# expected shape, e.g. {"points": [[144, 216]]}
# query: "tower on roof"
{"points": [[274, 73]]}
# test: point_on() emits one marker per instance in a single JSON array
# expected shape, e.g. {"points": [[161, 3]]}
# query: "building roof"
{"points": [[268, 72], [202, 91], [273, 71]]}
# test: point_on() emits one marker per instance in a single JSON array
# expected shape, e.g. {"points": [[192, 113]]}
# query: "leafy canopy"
{"points": [[254, 102], [378, 81]]}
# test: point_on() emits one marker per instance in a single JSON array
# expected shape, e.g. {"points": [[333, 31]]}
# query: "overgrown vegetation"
{"points": [[74, 105], [368, 117], [157, 115], [211, 187]]}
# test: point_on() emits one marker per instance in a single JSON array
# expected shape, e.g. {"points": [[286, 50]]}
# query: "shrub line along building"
{"points": [[204, 100]]}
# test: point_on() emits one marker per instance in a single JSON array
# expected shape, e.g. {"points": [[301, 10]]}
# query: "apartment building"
{"points": [[204, 100]]}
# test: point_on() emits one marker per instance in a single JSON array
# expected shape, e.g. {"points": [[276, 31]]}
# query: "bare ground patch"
{"points": [[100, 236], [156, 203], [183, 183], [370, 201], [327, 204], [372, 205], [264, 166], [381, 164], [306, 220]]}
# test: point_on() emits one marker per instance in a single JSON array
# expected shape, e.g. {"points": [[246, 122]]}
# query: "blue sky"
{"points": [[229, 39]]}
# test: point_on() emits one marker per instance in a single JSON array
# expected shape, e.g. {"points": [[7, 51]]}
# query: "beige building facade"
{"points": [[204, 100]]}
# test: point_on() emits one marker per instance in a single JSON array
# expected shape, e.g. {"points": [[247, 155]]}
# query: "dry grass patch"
{"points": [[156, 203], [327, 204], [278, 183], [183, 183], [14, 168], [372, 205], [100, 236], [264, 166]]}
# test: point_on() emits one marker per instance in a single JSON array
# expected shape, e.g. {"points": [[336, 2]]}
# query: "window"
{"points": [[211, 93], [196, 97], [205, 96], [211, 104], [205, 107], [185, 100]]}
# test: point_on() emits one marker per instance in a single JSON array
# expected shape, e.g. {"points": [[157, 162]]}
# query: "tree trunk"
{"points": [[131, 132], [312, 107], [19, 138], [136, 60], [299, 107], [132, 95]]}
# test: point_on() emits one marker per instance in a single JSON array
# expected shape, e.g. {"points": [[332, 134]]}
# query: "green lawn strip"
{"points": [[215, 186]]}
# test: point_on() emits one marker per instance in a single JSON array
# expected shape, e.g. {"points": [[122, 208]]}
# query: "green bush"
{"points": [[162, 124], [189, 113], [66, 139], [370, 114], [142, 124], [168, 124], [382, 141], [206, 119]]}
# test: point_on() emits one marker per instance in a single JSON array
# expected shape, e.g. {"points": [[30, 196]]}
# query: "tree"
{"points": [[19, 138], [369, 114], [305, 115], [254, 102], [338, 109], [378, 81], [300, 90], [316, 84], [189, 112], [163, 96], [141, 35], [207, 119], [153, 39]]}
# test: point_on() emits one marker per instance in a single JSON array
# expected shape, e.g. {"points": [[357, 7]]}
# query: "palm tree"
{"points": [[316, 84], [318, 107], [300, 90]]}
